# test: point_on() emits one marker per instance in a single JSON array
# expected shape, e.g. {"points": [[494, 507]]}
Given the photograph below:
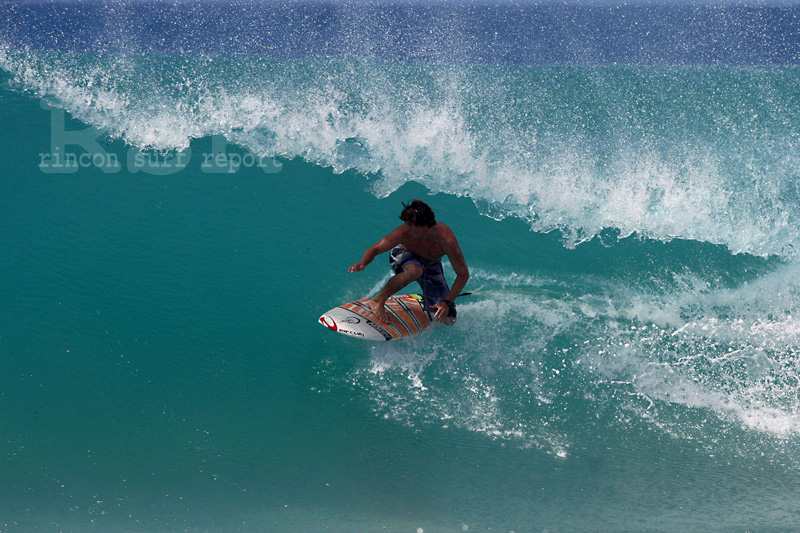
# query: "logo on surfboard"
{"points": [[328, 322]]}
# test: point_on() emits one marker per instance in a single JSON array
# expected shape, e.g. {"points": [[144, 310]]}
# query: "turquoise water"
{"points": [[628, 360]]}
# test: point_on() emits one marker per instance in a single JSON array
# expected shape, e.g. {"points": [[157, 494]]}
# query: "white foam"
{"points": [[485, 386], [731, 351], [717, 365], [458, 130]]}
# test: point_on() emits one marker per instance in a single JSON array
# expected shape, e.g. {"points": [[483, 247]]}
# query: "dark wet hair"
{"points": [[418, 213]]}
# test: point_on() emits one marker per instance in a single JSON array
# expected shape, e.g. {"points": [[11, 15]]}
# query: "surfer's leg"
{"points": [[411, 271], [399, 256], [405, 264], [434, 288]]}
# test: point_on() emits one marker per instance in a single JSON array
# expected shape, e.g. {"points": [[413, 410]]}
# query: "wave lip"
{"points": [[576, 150]]}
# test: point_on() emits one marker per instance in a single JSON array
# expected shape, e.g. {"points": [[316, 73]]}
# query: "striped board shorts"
{"points": [[434, 286]]}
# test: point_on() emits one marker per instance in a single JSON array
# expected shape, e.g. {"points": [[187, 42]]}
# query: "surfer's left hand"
{"points": [[442, 313]]}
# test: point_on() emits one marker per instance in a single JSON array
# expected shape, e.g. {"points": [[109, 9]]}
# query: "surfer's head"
{"points": [[418, 213]]}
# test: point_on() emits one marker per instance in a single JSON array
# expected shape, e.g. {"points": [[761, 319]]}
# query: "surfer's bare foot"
{"points": [[379, 309]]}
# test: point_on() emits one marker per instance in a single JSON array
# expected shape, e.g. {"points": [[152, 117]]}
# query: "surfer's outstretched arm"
{"points": [[382, 246]]}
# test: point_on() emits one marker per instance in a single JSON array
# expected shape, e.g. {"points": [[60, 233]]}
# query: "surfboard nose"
{"points": [[328, 322]]}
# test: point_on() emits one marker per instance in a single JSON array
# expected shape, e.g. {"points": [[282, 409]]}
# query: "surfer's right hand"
{"points": [[357, 267]]}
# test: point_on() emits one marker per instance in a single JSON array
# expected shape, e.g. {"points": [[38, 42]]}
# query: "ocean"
{"points": [[186, 183]]}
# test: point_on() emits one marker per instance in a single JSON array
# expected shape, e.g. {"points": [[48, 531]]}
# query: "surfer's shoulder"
{"points": [[445, 233]]}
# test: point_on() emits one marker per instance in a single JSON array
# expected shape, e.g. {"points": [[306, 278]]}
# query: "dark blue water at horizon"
{"points": [[481, 32]]}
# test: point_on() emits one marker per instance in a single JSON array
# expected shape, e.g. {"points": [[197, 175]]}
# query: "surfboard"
{"points": [[356, 319]]}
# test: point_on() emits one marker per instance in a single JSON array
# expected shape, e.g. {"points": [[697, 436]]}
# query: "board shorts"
{"points": [[434, 287]]}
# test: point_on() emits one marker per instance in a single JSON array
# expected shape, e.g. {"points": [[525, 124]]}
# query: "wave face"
{"points": [[706, 154], [644, 120]]}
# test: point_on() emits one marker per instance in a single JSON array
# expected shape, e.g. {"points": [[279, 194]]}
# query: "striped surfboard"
{"points": [[355, 319]]}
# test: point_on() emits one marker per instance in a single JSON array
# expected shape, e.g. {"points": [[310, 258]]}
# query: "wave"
{"points": [[701, 154], [707, 154], [713, 365]]}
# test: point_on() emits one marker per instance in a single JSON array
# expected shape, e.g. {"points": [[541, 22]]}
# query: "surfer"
{"points": [[417, 247]]}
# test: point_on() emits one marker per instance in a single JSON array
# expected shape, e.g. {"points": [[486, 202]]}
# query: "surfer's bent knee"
{"points": [[412, 270]]}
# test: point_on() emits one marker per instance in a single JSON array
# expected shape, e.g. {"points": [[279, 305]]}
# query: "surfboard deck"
{"points": [[356, 319]]}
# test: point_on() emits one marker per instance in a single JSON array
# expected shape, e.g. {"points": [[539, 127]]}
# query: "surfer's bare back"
{"points": [[417, 247]]}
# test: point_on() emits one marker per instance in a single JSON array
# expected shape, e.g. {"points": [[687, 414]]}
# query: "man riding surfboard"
{"points": [[417, 247]]}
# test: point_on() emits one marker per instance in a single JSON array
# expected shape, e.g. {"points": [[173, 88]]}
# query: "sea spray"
{"points": [[562, 148]]}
